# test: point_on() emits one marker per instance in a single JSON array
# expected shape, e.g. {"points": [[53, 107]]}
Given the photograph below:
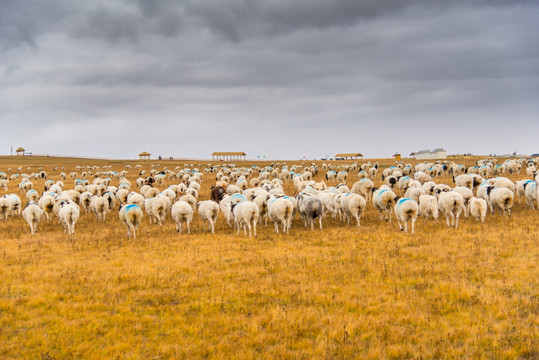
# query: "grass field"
{"points": [[341, 292]]}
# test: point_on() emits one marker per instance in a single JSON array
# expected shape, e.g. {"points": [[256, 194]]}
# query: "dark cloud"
{"points": [[280, 78]]}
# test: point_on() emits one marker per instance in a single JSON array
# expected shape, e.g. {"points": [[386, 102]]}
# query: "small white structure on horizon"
{"points": [[429, 155]]}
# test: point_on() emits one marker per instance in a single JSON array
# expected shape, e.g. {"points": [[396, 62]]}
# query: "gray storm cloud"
{"points": [[285, 79]]}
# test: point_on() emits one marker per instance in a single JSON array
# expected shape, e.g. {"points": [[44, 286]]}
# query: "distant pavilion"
{"points": [[144, 156], [227, 156], [20, 151], [349, 156]]}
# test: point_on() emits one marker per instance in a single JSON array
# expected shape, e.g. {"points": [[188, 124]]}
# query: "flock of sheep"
{"points": [[247, 196]]}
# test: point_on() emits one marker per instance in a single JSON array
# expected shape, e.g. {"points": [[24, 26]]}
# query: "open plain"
{"points": [[340, 292]]}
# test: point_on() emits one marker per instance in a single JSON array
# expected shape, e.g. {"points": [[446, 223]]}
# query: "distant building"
{"points": [[430, 155], [20, 151]]}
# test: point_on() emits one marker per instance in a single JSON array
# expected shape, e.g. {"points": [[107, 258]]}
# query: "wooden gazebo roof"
{"points": [[144, 153], [20, 149], [349, 155], [221, 153]]}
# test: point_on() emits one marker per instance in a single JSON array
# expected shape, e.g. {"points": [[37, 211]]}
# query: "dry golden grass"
{"points": [[342, 292]]}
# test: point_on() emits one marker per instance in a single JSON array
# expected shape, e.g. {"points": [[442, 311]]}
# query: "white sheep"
{"points": [[131, 215], [280, 211], [135, 198], [502, 198], [32, 213], [156, 208], [384, 201], [531, 194], [69, 214], [14, 205], [245, 213], [478, 209], [182, 211], [46, 203], [363, 187], [99, 206], [467, 195], [405, 210], [353, 205], [414, 193], [451, 204], [428, 206], [208, 211]]}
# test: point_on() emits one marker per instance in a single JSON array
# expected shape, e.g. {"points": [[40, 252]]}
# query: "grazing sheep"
{"points": [[182, 211], [14, 204], [280, 211], [363, 187], [208, 211], [32, 213], [32, 195], [505, 183], [464, 181], [69, 214], [383, 201], [467, 195], [428, 206], [261, 200], [405, 210], [245, 213], [353, 205], [156, 208], [84, 200], [450, 204], [99, 206], [121, 195], [46, 203], [111, 199], [478, 209], [135, 198], [531, 194], [310, 208], [131, 215], [414, 193], [501, 198]]}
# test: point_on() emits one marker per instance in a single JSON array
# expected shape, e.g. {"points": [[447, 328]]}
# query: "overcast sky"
{"points": [[280, 78]]}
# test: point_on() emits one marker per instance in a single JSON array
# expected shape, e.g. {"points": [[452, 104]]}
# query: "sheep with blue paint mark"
{"points": [[245, 214], [384, 201], [406, 210], [280, 212], [531, 194], [131, 215]]}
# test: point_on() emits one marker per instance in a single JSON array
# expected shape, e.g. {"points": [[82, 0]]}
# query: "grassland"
{"points": [[341, 292]]}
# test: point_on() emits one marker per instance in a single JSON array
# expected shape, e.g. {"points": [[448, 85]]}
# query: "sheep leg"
{"points": [[276, 227], [254, 227], [212, 225], [413, 224], [320, 220]]}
